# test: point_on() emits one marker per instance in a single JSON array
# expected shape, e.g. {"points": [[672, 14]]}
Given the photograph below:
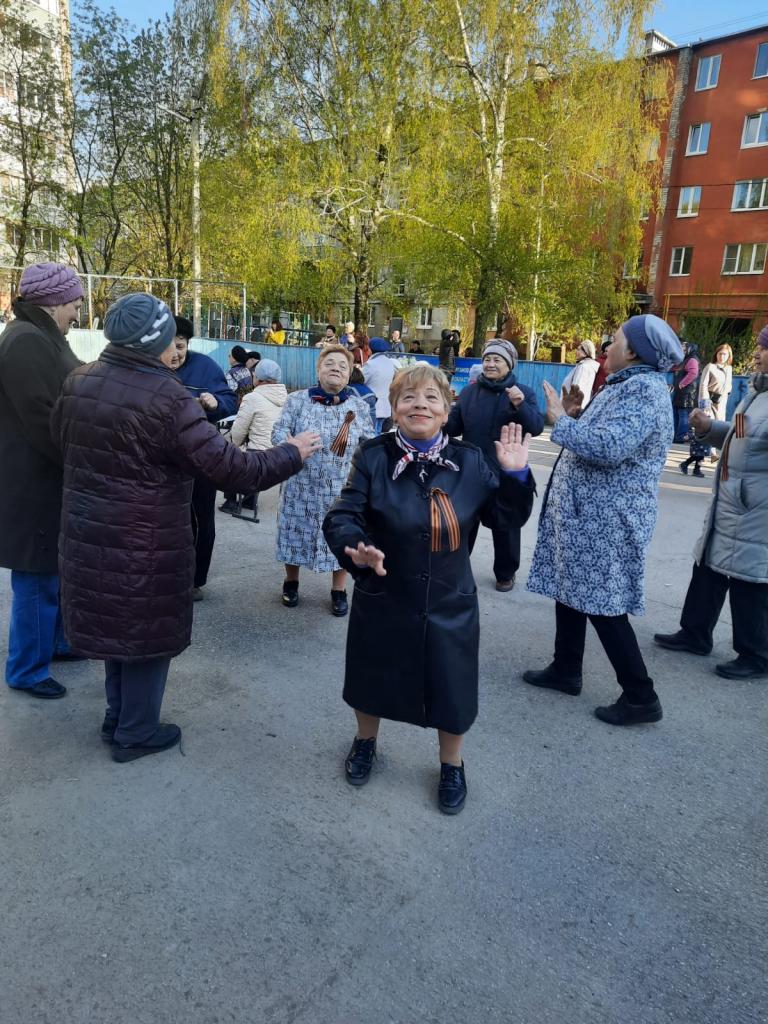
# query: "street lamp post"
{"points": [[193, 120]]}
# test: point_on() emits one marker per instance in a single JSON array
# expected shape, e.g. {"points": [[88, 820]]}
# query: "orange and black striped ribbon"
{"points": [[442, 510], [740, 431], [339, 443]]}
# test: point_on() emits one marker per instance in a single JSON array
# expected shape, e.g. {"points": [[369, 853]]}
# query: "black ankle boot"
{"points": [[359, 762], [452, 791], [339, 606], [684, 466], [290, 593], [550, 679], [697, 470]]}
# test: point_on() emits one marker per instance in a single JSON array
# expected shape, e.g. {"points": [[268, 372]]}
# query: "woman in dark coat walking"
{"points": [[478, 416], [35, 358], [132, 440], [401, 526]]}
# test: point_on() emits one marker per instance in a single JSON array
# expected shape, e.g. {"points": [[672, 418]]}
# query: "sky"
{"points": [[683, 21]]}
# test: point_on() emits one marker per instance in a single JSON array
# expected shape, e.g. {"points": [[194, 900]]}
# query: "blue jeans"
{"points": [[681, 424], [36, 632]]}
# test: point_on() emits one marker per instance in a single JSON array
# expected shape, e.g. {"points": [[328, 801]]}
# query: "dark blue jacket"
{"points": [[482, 409], [200, 373]]}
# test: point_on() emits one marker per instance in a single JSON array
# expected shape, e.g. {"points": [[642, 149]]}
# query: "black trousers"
{"points": [[203, 527], [619, 642], [506, 551], [749, 612], [134, 696]]}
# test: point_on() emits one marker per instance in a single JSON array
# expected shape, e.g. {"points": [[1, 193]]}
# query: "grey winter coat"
{"points": [[735, 537]]}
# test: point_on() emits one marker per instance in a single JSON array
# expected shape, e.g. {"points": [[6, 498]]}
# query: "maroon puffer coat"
{"points": [[132, 438]]}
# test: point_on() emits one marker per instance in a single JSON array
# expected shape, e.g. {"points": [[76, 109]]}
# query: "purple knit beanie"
{"points": [[762, 338], [50, 284]]}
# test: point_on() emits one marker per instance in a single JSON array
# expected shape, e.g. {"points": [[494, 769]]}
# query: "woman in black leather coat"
{"points": [[401, 526]]}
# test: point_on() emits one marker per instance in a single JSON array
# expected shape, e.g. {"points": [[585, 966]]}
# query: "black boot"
{"points": [[290, 593], [359, 762], [550, 679], [165, 736], [624, 713], [697, 471], [339, 606], [452, 791], [680, 641], [684, 466]]}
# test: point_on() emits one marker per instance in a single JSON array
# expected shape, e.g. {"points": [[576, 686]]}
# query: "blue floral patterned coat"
{"points": [[599, 511], [306, 498]]}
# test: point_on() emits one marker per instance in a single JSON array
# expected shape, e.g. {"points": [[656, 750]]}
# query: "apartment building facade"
{"points": [[705, 245]]}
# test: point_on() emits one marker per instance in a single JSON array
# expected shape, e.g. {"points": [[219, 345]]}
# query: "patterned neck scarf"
{"points": [[316, 394], [412, 454]]}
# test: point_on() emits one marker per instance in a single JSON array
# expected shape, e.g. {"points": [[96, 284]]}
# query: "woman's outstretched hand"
{"points": [[308, 442], [512, 448], [366, 556], [555, 407]]}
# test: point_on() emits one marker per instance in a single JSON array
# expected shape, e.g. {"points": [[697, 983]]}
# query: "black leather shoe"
{"points": [[452, 791], [680, 641], [549, 679], [359, 762], [624, 713], [108, 727], [504, 586], [339, 606], [290, 593], [228, 506], [741, 668], [166, 736], [48, 689]]}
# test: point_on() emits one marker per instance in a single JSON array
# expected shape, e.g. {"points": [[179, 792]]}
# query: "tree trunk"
{"points": [[486, 306]]}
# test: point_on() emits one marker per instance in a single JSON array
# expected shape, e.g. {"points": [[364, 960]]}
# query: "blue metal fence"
{"points": [[298, 364]]}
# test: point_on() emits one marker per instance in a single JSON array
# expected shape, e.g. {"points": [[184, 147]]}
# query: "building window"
{"points": [[372, 315], [400, 290], [761, 64], [698, 139], [745, 259], [42, 240], [755, 130], [690, 200], [750, 195], [681, 261], [425, 316], [708, 73]]}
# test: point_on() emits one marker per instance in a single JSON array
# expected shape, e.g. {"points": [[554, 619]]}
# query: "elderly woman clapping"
{"points": [[599, 513], [342, 419]]}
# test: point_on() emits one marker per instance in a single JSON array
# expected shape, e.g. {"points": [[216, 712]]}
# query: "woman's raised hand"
{"points": [[512, 448], [308, 442], [554, 405], [366, 556]]}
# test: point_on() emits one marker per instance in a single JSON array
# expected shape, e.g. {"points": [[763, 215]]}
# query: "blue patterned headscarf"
{"points": [[653, 341]]}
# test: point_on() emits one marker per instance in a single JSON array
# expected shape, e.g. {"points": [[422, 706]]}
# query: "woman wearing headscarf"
{"points": [[731, 556], [477, 416], [401, 526], [599, 513], [132, 440], [582, 376], [341, 418]]}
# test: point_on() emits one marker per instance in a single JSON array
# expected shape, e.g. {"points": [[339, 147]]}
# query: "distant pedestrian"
{"points": [[396, 342], [684, 392], [348, 334], [238, 375], [447, 352], [599, 513], [358, 385], [35, 359], [731, 556], [601, 375], [583, 375], [401, 525], [415, 348], [378, 373], [275, 335], [716, 382]]}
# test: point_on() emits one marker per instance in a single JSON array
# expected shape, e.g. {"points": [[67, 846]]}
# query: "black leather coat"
{"points": [[412, 644]]}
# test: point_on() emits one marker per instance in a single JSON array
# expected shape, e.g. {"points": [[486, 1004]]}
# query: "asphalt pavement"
{"points": [[596, 875]]}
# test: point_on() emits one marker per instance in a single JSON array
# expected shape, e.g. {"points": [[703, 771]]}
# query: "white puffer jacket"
{"points": [[258, 413]]}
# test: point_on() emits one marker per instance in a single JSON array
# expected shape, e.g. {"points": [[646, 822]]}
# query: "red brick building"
{"points": [[705, 246]]}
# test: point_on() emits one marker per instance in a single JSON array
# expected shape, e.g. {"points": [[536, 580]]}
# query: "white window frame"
{"points": [[425, 317], [708, 63], [684, 209], [682, 249], [372, 314], [759, 185], [737, 259], [761, 48], [400, 290], [760, 115], [701, 125]]}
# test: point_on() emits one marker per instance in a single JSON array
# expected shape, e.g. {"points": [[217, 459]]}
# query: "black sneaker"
{"points": [[48, 689], [290, 593], [166, 736], [550, 679], [339, 606], [741, 668], [624, 713], [359, 762], [452, 791], [680, 641], [108, 727]]}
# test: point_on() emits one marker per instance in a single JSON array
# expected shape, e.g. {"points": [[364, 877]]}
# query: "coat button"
{"points": [[422, 615], [423, 536], [423, 575], [425, 495]]}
